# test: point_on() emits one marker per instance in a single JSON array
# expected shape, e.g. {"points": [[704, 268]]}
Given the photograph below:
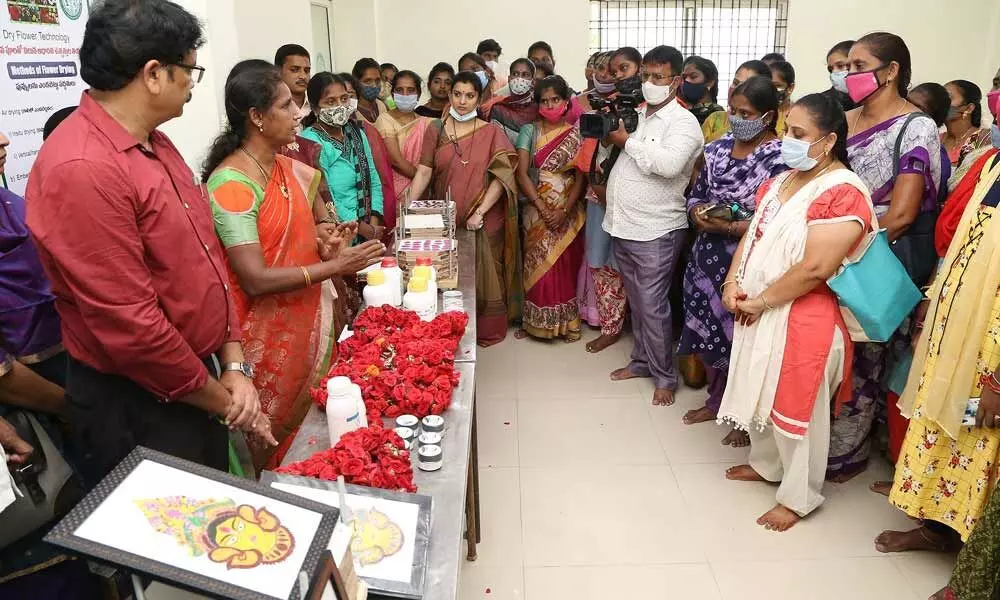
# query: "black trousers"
{"points": [[111, 415]]}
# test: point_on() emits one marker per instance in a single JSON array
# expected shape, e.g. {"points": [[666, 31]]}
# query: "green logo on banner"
{"points": [[72, 8]]}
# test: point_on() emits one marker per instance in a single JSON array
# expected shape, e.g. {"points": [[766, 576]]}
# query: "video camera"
{"points": [[601, 121]]}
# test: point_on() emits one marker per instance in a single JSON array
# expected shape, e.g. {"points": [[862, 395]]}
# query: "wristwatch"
{"points": [[241, 367]]}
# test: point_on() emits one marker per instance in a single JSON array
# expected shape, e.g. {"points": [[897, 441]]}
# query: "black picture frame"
{"points": [[327, 573], [63, 535], [414, 590]]}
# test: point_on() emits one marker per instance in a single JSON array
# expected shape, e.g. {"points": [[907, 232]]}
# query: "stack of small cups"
{"points": [[429, 454], [406, 428]]}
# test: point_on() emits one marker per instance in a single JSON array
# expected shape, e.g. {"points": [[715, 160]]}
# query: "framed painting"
{"points": [[200, 529], [389, 535]]}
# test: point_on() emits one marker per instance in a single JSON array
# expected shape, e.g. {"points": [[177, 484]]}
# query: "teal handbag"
{"points": [[874, 291]]}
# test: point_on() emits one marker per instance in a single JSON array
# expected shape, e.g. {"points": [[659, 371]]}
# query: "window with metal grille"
{"points": [[728, 32]]}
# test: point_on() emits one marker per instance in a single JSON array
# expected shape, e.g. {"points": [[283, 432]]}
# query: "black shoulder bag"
{"points": [[915, 248]]}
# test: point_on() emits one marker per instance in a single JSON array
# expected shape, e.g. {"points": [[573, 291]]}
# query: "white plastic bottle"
{"points": [[377, 292], [419, 300], [428, 274], [425, 261], [393, 277], [345, 410]]}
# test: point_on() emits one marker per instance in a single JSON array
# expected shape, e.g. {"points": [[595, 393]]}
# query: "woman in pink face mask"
{"points": [[896, 150], [553, 218]]}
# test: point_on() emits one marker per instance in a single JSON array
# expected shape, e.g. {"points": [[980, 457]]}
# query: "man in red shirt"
{"points": [[125, 234]]}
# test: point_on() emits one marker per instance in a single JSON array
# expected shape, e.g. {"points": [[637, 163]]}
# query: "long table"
{"points": [[455, 488]]}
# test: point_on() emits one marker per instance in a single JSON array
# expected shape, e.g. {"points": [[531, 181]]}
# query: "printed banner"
{"points": [[39, 74]]}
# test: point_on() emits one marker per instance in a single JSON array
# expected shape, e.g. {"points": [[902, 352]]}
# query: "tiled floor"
{"points": [[588, 491]]}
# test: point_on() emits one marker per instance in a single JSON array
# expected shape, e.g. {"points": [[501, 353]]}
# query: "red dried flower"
{"points": [[372, 456], [402, 364]]}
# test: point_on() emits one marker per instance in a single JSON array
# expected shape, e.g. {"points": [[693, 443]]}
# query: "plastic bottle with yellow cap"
{"points": [[419, 299], [378, 292], [428, 274]]}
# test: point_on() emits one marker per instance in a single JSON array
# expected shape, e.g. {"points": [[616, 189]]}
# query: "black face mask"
{"points": [[692, 93]]}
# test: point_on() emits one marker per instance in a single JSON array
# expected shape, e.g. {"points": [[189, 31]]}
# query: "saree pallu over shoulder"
{"points": [[289, 337], [466, 166], [552, 258]]}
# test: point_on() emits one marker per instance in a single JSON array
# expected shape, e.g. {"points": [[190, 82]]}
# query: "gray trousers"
{"points": [[648, 271]]}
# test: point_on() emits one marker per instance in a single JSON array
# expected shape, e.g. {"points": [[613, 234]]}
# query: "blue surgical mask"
{"points": [[406, 103], [995, 135], [370, 92], [839, 81], [483, 78], [462, 118], [795, 153], [603, 88]]}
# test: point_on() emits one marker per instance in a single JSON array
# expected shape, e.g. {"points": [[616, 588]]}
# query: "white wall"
{"points": [[263, 26], [416, 35], [354, 32], [234, 30], [947, 40]]}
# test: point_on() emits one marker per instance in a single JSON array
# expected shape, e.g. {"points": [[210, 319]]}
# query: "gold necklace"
{"points": [[281, 184]]}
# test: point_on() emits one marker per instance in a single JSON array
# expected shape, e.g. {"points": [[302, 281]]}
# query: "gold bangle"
{"points": [[308, 279], [727, 282], [767, 304]]}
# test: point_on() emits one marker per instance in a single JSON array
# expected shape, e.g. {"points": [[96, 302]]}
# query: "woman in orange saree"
{"points": [[475, 161], [553, 217], [280, 259]]}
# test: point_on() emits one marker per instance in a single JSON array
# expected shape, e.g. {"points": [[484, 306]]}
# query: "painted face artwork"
{"points": [[376, 537], [241, 537]]}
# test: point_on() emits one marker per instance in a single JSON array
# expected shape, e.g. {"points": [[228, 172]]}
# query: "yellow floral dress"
{"points": [[938, 478]]}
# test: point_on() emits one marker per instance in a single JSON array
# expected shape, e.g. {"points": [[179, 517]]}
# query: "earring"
{"points": [[260, 127]]}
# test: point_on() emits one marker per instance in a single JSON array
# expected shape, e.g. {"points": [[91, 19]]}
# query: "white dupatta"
{"points": [[758, 349]]}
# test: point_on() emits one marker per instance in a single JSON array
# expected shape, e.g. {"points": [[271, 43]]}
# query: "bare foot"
{"points": [[737, 439], [778, 518], [663, 397], [920, 538], [604, 341], [520, 334], [881, 487], [743, 473], [699, 415], [624, 374]]}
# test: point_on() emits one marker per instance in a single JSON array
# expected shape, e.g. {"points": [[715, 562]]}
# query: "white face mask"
{"points": [[656, 95], [520, 85], [406, 103], [493, 65], [462, 118], [838, 79], [353, 105], [795, 153]]}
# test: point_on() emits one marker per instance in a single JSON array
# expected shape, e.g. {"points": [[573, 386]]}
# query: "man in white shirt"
{"points": [[646, 214], [295, 66]]}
